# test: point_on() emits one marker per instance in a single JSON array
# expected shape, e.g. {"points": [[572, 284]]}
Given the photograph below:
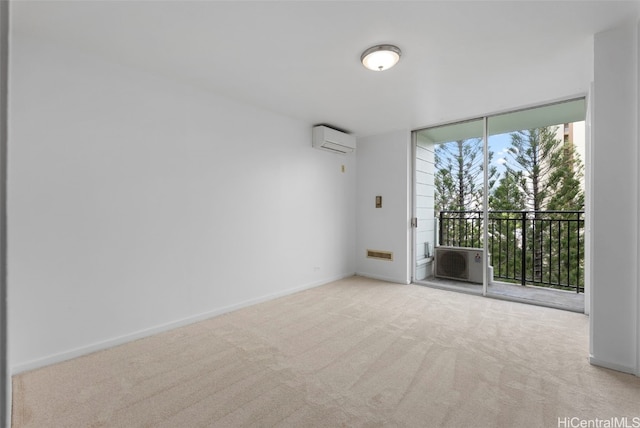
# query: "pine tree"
{"points": [[568, 197], [507, 196], [458, 187], [568, 194], [536, 155], [459, 175], [548, 174], [505, 227]]}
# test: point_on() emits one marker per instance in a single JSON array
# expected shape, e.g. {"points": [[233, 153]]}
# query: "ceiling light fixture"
{"points": [[380, 57]]}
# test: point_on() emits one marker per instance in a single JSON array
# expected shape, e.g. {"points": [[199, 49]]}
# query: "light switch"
{"points": [[378, 201]]}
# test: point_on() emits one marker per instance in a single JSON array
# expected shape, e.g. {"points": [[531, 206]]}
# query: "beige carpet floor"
{"points": [[356, 352]]}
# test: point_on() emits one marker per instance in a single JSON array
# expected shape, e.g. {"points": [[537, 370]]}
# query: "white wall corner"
{"points": [[614, 323], [5, 372], [609, 365], [588, 203]]}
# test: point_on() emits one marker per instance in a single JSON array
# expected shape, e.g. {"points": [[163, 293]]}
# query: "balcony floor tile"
{"points": [[541, 296]]}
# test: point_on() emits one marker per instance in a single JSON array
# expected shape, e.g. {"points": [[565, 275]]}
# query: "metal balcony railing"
{"points": [[543, 248]]}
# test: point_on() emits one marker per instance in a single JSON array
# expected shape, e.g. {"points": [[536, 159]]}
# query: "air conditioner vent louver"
{"points": [[332, 140], [453, 264], [459, 263], [335, 147]]}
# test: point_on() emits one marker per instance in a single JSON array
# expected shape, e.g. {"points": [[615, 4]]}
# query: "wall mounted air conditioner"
{"points": [[332, 140], [459, 263]]}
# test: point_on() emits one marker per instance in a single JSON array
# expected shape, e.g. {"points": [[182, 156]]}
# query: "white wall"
{"points": [[137, 204], [383, 170], [614, 293], [638, 212], [638, 218]]}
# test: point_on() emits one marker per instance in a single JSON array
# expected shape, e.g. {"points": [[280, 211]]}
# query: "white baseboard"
{"points": [[99, 346], [383, 278], [613, 366]]}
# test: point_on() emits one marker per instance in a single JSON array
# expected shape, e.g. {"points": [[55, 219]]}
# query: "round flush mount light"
{"points": [[380, 57]]}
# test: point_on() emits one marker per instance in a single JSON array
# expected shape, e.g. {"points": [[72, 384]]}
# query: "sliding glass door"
{"points": [[449, 176], [499, 205]]}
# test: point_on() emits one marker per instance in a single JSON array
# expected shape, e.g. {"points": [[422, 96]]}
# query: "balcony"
{"points": [[535, 255]]}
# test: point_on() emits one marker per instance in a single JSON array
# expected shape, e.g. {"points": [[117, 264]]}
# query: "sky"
{"points": [[499, 145]]}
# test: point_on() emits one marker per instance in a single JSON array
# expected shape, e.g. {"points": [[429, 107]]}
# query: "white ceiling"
{"points": [[460, 59]]}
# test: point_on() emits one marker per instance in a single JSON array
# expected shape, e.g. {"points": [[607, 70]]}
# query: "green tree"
{"points": [[458, 187], [459, 175], [535, 155], [505, 227], [568, 198], [548, 174], [507, 195], [568, 194]]}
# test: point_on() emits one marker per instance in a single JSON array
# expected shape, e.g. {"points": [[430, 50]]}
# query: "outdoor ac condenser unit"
{"points": [[332, 140], [459, 263]]}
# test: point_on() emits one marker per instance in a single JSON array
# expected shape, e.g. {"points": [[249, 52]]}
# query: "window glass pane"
{"points": [[449, 186], [536, 200]]}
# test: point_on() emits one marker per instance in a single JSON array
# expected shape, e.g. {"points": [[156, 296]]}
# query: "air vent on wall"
{"points": [[380, 255]]}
